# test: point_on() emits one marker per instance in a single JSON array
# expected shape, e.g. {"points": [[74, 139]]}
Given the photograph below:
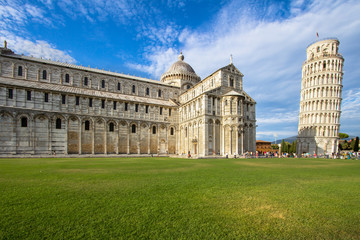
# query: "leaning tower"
{"points": [[320, 101]]}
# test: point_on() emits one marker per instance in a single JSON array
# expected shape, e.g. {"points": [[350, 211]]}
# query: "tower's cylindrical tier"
{"points": [[320, 102]]}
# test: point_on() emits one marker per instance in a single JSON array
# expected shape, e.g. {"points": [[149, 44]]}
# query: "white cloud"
{"points": [[38, 48]]}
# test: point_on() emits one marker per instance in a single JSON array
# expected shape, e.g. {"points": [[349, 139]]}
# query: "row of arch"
{"points": [[325, 65], [320, 92], [48, 133], [320, 105], [324, 118], [322, 79], [319, 131]]}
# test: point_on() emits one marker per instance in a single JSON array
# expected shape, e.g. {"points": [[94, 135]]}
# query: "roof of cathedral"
{"points": [[180, 66], [233, 93], [8, 53]]}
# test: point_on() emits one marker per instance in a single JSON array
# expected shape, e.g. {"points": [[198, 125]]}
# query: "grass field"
{"points": [[167, 198]]}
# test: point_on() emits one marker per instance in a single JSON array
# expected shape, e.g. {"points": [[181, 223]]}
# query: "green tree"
{"points": [[343, 135], [356, 145], [283, 146], [340, 147]]}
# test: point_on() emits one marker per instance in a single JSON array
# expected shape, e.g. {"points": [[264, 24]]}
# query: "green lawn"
{"points": [[167, 198]]}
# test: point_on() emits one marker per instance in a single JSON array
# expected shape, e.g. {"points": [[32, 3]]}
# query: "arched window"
{"points": [[58, 123], [171, 131], [133, 89], [188, 86], [159, 94], [20, 71], [44, 74], [231, 82], [85, 81], [24, 122], [119, 86], [67, 78], [185, 132], [103, 83], [111, 127], [87, 125], [161, 110], [324, 65], [154, 130], [318, 49], [147, 91], [133, 128]]}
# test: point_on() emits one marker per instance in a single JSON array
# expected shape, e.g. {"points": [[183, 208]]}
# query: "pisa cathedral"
{"points": [[49, 107], [320, 101]]}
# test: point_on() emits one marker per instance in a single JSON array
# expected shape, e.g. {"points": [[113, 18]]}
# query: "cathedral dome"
{"points": [[180, 67], [182, 71]]}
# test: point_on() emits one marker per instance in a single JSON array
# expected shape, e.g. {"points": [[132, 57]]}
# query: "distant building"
{"points": [[264, 146], [49, 107], [320, 102]]}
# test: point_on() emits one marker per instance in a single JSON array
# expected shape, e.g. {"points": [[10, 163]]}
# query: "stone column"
{"points": [[222, 140], [214, 138], [149, 136], [117, 137], [105, 142], [93, 138], [50, 136], [242, 141], [80, 134], [139, 137], [128, 138], [237, 140]]}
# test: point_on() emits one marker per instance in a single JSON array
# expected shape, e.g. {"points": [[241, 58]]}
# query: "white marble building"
{"points": [[49, 107], [320, 102]]}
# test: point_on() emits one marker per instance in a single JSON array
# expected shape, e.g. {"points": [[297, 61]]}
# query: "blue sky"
{"points": [[267, 39]]}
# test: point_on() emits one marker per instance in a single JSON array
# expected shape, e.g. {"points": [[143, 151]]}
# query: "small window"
{"points": [[318, 49], [119, 86], [67, 78], [58, 123], [86, 81], [28, 95], [114, 105], [133, 89], [133, 128], [20, 71], [44, 74], [111, 127], [102, 103], [188, 87], [103, 83], [185, 132], [10, 93], [169, 112], [154, 130], [77, 100], [231, 82], [46, 97], [161, 110], [136, 107], [147, 109], [171, 131], [87, 125], [24, 122], [90, 102], [63, 99], [126, 106], [159, 93], [147, 91]]}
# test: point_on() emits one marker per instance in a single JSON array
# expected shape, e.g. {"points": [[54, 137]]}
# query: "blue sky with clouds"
{"points": [[267, 38]]}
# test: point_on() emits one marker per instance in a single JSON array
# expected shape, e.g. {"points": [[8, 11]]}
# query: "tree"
{"points": [[343, 135], [283, 146], [356, 145]]}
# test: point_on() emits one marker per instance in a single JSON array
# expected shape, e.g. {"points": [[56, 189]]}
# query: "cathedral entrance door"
{"points": [[195, 148]]}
